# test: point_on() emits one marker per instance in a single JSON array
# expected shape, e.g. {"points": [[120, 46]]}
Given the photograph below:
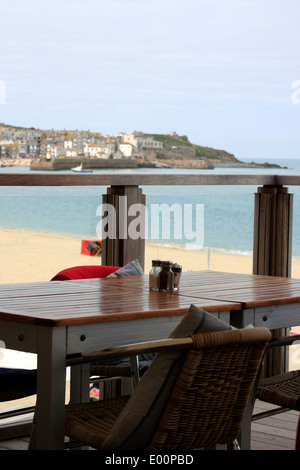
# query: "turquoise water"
{"points": [[227, 210]]}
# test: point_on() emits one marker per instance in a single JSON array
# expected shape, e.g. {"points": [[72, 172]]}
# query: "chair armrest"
{"points": [[283, 341], [131, 350]]}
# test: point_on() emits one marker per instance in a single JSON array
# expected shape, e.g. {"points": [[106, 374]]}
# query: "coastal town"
{"points": [[62, 149]]}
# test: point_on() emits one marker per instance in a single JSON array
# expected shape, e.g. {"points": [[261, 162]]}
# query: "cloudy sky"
{"points": [[224, 73]]}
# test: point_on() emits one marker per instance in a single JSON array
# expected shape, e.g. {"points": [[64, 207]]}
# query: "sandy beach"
{"points": [[34, 257]]}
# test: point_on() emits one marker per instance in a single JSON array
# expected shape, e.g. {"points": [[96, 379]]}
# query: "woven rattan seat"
{"points": [[205, 407], [282, 390]]}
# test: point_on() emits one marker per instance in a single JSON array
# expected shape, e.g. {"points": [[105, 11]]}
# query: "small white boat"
{"points": [[79, 169]]}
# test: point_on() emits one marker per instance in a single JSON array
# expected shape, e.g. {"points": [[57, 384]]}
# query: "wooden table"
{"points": [[55, 319], [268, 301]]}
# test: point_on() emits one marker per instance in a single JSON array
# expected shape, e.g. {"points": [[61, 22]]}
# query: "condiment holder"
{"points": [[164, 276]]}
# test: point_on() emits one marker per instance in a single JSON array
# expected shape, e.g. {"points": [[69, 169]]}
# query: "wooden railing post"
{"points": [[272, 249], [120, 249]]}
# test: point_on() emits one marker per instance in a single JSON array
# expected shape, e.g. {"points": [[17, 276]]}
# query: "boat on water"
{"points": [[79, 169]]}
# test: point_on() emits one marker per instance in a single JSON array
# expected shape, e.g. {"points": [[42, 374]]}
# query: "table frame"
{"points": [[53, 344], [53, 340]]}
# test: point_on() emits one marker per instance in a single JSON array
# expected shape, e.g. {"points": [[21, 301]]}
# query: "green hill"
{"points": [[174, 141], [17, 127]]}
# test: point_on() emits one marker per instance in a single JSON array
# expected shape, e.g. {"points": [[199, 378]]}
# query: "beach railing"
{"points": [[273, 210]]}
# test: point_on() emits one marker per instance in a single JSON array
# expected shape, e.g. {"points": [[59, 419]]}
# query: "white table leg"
{"points": [[51, 384]]}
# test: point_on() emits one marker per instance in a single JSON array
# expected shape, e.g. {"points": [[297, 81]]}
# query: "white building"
{"points": [[55, 151], [146, 143], [140, 142], [96, 151], [68, 144], [126, 149], [71, 152], [6, 142]]}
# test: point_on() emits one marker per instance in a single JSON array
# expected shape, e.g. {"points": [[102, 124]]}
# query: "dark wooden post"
{"points": [[272, 249], [119, 248]]}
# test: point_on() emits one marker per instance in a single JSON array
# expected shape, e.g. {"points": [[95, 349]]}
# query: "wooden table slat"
{"points": [[100, 300]]}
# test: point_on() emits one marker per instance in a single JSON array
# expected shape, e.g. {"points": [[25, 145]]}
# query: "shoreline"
{"points": [[37, 256], [57, 164]]}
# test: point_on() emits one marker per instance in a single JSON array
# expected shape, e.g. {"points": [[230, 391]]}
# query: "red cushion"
{"points": [[84, 272]]}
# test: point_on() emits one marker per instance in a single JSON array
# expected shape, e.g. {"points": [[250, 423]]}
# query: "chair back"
{"points": [[212, 390]]}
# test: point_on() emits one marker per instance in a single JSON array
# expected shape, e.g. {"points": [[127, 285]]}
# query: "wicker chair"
{"points": [[281, 390], [202, 408]]}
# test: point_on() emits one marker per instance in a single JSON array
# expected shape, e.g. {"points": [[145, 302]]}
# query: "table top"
{"points": [[64, 303], [77, 302], [246, 289], [249, 290]]}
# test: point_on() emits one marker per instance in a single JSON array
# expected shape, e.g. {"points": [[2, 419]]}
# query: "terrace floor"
{"points": [[277, 432]]}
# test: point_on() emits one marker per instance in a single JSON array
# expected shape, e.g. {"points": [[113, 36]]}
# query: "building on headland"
{"points": [[57, 148], [8, 151], [141, 142], [126, 149], [35, 144]]}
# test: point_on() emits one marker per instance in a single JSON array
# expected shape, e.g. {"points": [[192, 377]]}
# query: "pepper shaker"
{"points": [[166, 277]]}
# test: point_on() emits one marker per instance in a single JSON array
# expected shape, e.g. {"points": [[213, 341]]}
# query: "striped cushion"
{"points": [[131, 269]]}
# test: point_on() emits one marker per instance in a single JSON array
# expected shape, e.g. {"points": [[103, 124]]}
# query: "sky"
{"points": [[226, 73]]}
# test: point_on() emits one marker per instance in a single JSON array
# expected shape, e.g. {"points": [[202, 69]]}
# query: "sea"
{"points": [[219, 218]]}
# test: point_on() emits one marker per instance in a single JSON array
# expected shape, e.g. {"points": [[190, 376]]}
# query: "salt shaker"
{"points": [[154, 275]]}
